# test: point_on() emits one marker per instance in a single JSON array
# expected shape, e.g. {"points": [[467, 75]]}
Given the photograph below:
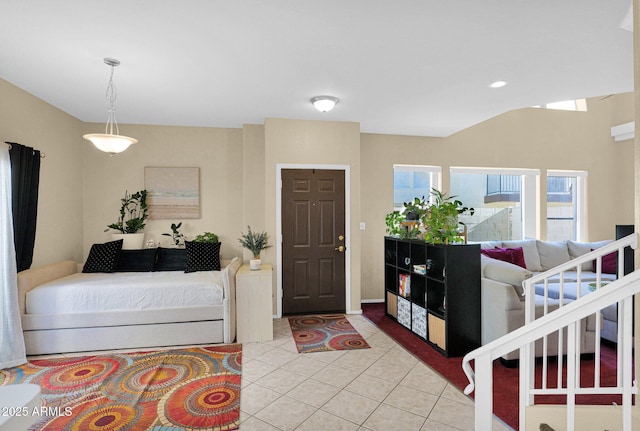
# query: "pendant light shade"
{"points": [[108, 141]]}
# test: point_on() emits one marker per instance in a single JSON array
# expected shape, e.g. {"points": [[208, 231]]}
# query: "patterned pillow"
{"points": [[103, 257], [203, 256]]}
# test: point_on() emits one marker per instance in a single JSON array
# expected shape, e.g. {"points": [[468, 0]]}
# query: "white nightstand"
{"points": [[254, 314]]}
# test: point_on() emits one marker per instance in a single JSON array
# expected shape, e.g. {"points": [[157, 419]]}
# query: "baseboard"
{"points": [[371, 301]]}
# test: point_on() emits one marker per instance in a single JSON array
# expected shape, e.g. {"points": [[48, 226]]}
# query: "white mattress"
{"points": [[81, 293]]}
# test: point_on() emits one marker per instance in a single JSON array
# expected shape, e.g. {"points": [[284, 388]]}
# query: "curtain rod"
{"points": [[42, 155]]}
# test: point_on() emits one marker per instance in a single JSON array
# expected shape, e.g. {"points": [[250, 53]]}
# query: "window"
{"points": [[565, 205], [504, 201], [566, 105], [410, 181]]}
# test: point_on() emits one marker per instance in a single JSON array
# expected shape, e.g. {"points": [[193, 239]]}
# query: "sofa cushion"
{"points": [[530, 250], [103, 257], [503, 254], [577, 249], [552, 253], [511, 255], [504, 272]]}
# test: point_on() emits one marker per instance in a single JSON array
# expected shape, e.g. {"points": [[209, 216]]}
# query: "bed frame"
{"points": [[79, 332]]}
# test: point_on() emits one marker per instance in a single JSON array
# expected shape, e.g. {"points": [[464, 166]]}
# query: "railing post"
{"points": [[627, 359], [484, 393]]}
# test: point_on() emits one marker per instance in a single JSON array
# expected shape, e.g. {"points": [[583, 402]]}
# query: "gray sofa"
{"points": [[502, 296]]}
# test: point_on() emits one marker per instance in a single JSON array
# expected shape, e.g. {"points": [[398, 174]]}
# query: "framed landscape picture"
{"points": [[172, 193]]}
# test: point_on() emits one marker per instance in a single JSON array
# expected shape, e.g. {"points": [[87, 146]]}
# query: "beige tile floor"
{"points": [[378, 389]]}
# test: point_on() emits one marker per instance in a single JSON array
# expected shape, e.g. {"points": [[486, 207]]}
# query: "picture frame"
{"points": [[173, 193]]}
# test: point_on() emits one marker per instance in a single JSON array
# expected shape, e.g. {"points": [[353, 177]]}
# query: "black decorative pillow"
{"points": [[203, 256], [136, 260], [171, 259], [103, 257]]}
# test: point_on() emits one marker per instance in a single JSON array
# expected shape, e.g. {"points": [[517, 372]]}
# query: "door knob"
{"points": [[340, 249]]}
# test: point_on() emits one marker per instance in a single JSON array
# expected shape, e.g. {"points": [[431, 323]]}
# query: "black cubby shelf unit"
{"points": [[433, 290]]}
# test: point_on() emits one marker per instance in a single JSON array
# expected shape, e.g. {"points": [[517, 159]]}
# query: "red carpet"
{"points": [[325, 333], [186, 389], [505, 380]]}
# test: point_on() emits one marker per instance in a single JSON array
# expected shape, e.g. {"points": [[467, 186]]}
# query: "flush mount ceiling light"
{"points": [[497, 84], [324, 103], [108, 141]]}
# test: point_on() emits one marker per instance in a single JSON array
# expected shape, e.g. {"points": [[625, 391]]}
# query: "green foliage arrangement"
{"points": [[415, 209], [393, 222], [206, 237], [441, 218], [255, 242], [133, 213]]}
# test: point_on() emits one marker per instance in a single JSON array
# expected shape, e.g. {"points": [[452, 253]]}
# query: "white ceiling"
{"points": [[413, 67]]}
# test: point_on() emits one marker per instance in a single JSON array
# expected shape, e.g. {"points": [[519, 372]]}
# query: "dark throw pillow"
{"points": [[511, 255], [103, 257], [203, 256], [136, 260], [518, 257], [609, 263], [171, 259]]}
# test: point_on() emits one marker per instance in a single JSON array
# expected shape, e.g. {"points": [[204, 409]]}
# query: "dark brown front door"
{"points": [[313, 242]]}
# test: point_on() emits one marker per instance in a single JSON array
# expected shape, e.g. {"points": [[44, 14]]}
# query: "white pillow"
{"points": [[577, 249], [552, 253], [530, 251]]}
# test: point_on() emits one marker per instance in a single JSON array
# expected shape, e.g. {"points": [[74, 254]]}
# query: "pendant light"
{"points": [[108, 141]]}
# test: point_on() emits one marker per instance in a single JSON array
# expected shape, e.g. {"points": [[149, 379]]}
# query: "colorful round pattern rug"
{"points": [[184, 389], [325, 333]]}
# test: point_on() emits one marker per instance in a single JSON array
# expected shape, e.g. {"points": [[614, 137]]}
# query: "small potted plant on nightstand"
{"points": [[254, 242]]}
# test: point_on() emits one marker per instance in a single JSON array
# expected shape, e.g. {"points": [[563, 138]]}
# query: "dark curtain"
{"points": [[25, 178]]}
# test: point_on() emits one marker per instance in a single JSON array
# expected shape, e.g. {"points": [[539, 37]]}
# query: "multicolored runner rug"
{"points": [[186, 389], [325, 333]]}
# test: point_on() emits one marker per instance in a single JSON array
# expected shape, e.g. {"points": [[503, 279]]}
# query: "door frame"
{"points": [[347, 228]]}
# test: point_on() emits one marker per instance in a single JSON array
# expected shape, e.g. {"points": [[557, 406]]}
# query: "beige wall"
{"points": [[316, 143], [30, 121], [216, 151]]}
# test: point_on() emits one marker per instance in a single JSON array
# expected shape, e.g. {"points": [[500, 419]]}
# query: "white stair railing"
{"points": [[567, 319]]}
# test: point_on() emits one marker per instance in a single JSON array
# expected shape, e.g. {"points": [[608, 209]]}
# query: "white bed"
{"points": [[67, 311]]}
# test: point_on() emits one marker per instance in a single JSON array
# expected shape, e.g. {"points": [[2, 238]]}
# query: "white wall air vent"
{"points": [[623, 131]]}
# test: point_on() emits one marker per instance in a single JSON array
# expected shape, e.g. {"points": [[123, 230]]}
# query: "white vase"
{"points": [[131, 241], [255, 264]]}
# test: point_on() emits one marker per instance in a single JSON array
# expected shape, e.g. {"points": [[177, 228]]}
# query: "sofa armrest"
{"points": [[31, 278], [498, 297]]}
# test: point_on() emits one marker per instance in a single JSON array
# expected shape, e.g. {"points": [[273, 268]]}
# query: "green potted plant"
{"points": [[254, 242], [176, 237], [440, 221], [393, 221], [133, 214], [416, 209], [206, 237]]}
